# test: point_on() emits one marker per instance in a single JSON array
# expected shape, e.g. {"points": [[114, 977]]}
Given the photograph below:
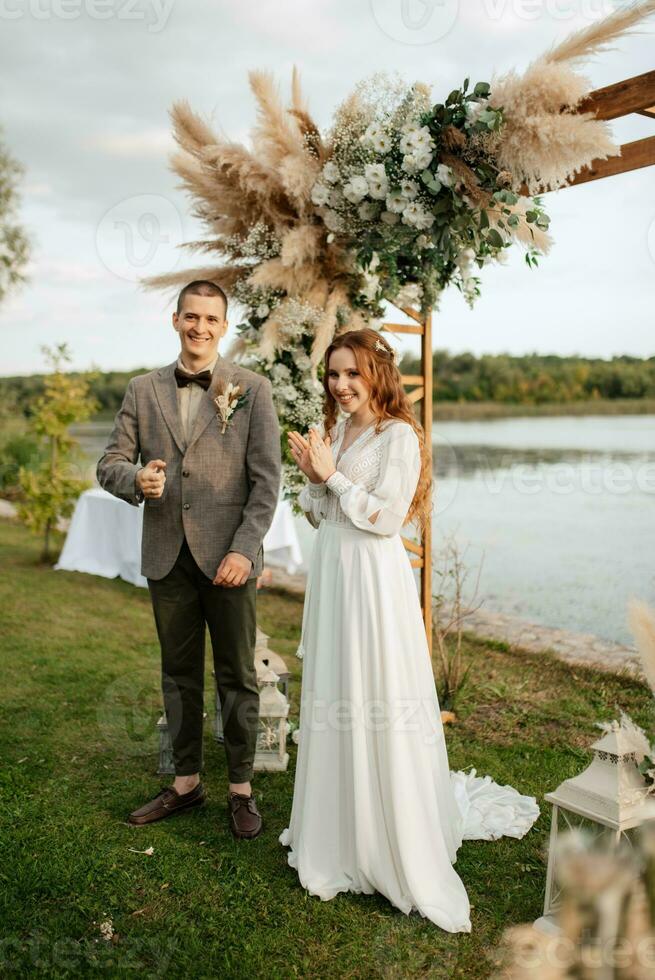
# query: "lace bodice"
{"points": [[376, 475]]}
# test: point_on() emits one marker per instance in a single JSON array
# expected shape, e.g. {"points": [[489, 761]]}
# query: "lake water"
{"points": [[556, 514]]}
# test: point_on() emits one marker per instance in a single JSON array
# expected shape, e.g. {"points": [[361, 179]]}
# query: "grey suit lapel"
{"points": [[166, 391]]}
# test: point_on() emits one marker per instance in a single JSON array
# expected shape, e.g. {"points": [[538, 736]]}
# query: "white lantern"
{"points": [[166, 766], [264, 658], [271, 754], [608, 800]]}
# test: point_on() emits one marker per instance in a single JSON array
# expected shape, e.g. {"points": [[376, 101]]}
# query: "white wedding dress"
{"points": [[375, 807]]}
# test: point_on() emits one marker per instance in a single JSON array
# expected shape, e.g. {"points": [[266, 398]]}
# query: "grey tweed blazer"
{"points": [[221, 489]]}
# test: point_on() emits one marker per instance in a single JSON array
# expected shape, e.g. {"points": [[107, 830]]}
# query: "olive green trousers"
{"points": [[184, 602]]}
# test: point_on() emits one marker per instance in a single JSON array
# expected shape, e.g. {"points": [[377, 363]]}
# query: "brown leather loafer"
{"points": [[245, 818], [167, 802]]}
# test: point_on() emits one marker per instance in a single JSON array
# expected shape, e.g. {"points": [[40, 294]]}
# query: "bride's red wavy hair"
{"points": [[388, 400]]}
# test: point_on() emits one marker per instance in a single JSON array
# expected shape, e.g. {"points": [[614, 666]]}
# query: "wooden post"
{"points": [[422, 391]]}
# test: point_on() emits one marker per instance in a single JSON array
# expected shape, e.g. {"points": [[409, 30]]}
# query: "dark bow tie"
{"points": [[203, 378]]}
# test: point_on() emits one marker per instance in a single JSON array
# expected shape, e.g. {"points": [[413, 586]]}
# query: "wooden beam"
{"points": [[416, 395], [631, 95], [426, 422], [412, 379], [413, 546], [634, 156], [401, 328], [412, 314]]}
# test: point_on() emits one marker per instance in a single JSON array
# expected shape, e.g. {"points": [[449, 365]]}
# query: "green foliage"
{"points": [[19, 451], [536, 379], [50, 490], [14, 245]]}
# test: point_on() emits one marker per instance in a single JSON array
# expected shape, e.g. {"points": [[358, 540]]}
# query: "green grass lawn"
{"points": [[80, 692]]}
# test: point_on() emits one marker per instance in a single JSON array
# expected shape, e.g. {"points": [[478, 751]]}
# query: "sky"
{"points": [[87, 87]]}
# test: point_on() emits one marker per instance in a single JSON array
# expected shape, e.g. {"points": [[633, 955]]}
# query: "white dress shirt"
{"points": [[188, 398]]}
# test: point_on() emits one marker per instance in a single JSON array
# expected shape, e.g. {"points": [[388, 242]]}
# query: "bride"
{"points": [[375, 807]]}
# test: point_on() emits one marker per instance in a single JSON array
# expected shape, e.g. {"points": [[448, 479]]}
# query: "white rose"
{"points": [[422, 139], [416, 216], [409, 189], [409, 295], [417, 160], [381, 143], [320, 194], [378, 189], [263, 310], [371, 286], [396, 202], [473, 110], [356, 189], [331, 172], [332, 220], [409, 214], [389, 218], [444, 175], [375, 171], [406, 144]]}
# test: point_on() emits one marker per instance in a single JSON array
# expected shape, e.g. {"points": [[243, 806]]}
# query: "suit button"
{"points": [[186, 506], [185, 472]]}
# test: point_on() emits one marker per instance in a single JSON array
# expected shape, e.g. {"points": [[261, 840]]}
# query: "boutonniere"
{"points": [[228, 401]]}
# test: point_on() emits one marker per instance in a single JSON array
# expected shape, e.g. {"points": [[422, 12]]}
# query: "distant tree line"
{"points": [[531, 379], [107, 388], [534, 379]]}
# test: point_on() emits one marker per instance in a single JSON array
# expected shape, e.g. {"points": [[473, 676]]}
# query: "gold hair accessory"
{"points": [[387, 350]]}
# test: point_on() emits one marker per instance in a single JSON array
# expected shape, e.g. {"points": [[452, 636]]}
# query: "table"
{"points": [[104, 538]]}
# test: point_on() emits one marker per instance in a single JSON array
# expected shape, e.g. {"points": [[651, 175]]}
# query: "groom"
{"points": [[209, 476]]}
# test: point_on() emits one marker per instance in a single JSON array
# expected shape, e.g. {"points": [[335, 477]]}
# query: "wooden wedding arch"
{"points": [[621, 99]]}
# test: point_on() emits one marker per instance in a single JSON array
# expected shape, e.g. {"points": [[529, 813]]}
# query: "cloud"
{"points": [[153, 143]]}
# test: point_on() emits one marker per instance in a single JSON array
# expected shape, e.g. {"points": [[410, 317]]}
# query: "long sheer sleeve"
{"points": [[384, 509], [313, 500]]}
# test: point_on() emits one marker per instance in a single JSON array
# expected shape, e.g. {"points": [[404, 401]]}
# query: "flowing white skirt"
{"points": [[375, 807]]}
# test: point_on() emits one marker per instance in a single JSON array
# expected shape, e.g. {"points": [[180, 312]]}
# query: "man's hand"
{"points": [[233, 570], [150, 479]]}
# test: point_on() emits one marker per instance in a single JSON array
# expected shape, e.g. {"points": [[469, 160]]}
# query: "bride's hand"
{"points": [[299, 447], [320, 456]]}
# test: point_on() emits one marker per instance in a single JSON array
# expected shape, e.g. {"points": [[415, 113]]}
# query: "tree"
{"points": [[14, 244], [50, 490]]}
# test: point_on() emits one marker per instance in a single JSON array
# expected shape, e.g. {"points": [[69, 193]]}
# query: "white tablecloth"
{"points": [[104, 538]]}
